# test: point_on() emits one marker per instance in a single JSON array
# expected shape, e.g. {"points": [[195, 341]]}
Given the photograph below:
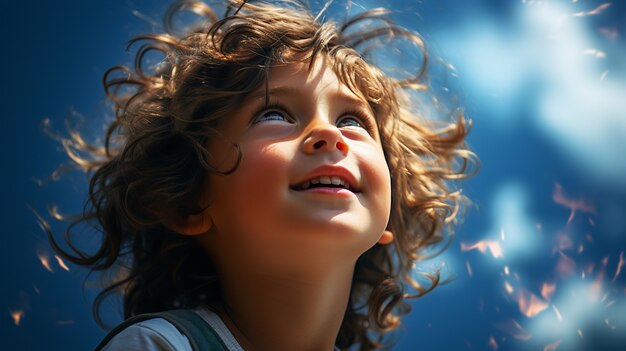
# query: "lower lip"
{"points": [[328, 191]]}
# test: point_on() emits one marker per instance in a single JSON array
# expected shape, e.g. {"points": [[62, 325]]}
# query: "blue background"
{"points": [[543, 82]]}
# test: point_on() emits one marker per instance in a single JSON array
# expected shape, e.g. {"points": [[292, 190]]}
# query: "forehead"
{"points": [[300, 80]]}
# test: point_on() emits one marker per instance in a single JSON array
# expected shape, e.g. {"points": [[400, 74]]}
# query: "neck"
{"points": [[286, 312]]}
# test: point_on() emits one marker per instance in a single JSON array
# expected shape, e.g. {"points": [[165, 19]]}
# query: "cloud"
{"points": [[547, 65]]}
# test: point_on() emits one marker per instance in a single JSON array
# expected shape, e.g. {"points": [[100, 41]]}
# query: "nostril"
{"points": [[343, 147], [319, 144]]}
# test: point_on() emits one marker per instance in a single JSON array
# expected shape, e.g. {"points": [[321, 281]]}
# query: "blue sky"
{"points": [[544, 84]]}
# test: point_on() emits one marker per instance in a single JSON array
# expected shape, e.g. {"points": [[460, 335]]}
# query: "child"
{"points": [[269, 179]]}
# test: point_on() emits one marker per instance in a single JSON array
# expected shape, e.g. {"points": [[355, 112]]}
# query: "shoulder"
{"points": [[155, 334]]}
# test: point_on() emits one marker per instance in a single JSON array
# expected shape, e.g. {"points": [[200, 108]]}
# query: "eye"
{"points": [[357, 119], [349, 122], [272, 115]]}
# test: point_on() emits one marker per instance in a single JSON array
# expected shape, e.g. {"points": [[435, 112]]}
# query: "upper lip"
{"points": [[331, 171]]}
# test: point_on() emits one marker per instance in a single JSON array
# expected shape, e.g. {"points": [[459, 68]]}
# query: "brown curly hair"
{"points": [[154, 157]]}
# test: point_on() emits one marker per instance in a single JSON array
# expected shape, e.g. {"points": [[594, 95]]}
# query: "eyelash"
{"points": [[361, 117]]}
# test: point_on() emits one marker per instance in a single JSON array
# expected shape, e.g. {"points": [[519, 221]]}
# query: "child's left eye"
{"points": [[349, 122]]}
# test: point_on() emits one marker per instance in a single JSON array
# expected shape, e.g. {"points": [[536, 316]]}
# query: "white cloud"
{"points": [[550, 64]]}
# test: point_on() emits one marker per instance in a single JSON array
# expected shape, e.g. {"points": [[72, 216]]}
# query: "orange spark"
{"points": [[609, 33], [514, 329], [45, 261], [598, 10], [508, 287], [547, 290], [563, 242], [17, 316], [558, 314], [530, 304], [553, 346], [565, 265], [493, 344], [596, 286], [574, 205], [483, 246], [61, 263], [620, 264]]}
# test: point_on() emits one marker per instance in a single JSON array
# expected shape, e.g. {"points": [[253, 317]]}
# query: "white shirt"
{"points": [[157, 334]]}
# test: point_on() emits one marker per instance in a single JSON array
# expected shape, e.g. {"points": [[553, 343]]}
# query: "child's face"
{"points": [[314, 128]]}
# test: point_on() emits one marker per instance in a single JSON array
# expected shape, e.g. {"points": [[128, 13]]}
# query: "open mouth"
{"points": [[323, 182]]}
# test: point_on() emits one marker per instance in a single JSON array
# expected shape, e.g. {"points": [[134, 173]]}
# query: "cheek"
{"points": [[376, 170], [253, 192]]}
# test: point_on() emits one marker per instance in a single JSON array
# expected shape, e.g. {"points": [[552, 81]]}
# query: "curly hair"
{"points": [[154, 157]]}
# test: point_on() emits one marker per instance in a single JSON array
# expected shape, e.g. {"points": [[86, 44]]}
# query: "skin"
{"points": [[286, 258]]}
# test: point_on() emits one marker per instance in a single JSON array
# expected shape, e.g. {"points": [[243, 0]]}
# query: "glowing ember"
{"points": [[483, 246], [558, 314], [563, 242], [553, 346], [596, 286], [598, 10], [61, 263], [17, 316], [514, 329], [609, 33], [492, 343], [508, 287], [574, 205], [45, 261], [547, 290], [565, 265], [620, 264], [530, 304]]}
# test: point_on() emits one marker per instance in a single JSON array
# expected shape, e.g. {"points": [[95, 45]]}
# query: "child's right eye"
{"points": [[271, 116]]}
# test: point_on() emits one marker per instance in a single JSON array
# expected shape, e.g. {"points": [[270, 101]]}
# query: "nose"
{"points": [[324, 137]]}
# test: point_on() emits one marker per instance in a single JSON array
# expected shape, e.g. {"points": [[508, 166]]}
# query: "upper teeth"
{"points": [[325, 180]]}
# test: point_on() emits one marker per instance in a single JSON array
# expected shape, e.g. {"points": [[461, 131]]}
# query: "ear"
{"points": [[386, 238], [194, 224]]}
